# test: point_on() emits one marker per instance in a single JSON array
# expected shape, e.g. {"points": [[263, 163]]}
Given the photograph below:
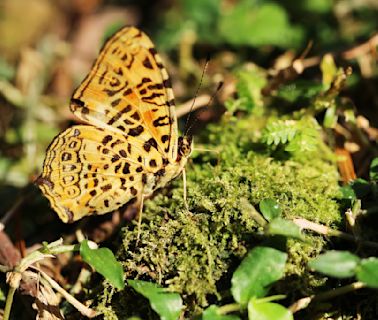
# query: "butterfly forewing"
{"points": [[128, 89]]}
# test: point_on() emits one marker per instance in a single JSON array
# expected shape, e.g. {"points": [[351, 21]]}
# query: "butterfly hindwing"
{"points": [[87, 171]]}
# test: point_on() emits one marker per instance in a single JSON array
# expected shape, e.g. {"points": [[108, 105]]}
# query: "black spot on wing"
{"points": [[133, 191], [77, 102], [147, 63], [152, 51], [161, 121], [135, 116], [106, 139], [136, 131], [150, 143], [160, 173], [164, 138], [126, 168], [153, 163], [115, 158], [119, 114], [152, 96], [106, 187]]}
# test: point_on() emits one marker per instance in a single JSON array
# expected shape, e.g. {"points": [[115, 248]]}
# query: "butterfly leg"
{"points": [[185, 190], [140, 203]]}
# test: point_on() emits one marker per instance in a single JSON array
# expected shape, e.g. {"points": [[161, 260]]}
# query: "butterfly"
{"points": [[129, 145]]}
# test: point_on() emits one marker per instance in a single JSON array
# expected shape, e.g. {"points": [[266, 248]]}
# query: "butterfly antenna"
{"points": [[196, 94], [220, 85]]}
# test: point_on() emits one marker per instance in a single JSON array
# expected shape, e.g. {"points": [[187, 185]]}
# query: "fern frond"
{"points": [[279, 132], [295, 136]]}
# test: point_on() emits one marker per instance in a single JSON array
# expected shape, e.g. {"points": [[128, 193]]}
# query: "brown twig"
{"points": [[304, 302], [300, 64], [349, 54], [200, 101], [327, 231], [85, 311], [362, 49]]}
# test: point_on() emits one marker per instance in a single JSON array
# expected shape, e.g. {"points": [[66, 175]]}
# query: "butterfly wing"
{"points": [[132, 134], [128, 91], [88, 171]]}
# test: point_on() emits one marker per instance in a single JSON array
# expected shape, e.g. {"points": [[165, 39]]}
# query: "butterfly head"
{"points": [[185, 146]]}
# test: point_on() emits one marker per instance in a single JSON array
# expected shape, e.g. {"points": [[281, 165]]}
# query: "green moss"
{"points": [[194, 253]]}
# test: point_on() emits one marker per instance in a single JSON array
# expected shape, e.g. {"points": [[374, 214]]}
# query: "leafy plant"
{"points": [[294, 136], [261, 268], [259, 24], [101, 259], [104, 262], [167, 304], [343, 264]]}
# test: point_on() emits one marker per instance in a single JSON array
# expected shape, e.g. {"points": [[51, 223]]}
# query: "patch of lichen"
{"points": [[195, 252]]}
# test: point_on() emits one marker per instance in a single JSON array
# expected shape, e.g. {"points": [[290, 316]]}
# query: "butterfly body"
{"points": [[129, 146]]}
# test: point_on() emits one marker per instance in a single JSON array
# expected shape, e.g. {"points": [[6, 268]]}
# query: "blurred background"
{"points": [[47, 47]]}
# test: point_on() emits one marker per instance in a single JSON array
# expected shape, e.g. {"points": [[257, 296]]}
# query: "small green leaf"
{"points": [[285, 228], [233, 105], [330, 118], [104, 262], [317, 6], [280, 131], [350, 116], [7, 71], [167, 304], [267, 311], [348, 193], [367, 272], [306, 140], [249, 86], [329, 70], [338, 264], [270, 209], [299, 90], [260, 268], [213, 313], [269, 21], [374, 170]]}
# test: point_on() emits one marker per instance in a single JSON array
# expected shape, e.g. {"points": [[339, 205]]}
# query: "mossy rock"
{"points": [[195, 252]]}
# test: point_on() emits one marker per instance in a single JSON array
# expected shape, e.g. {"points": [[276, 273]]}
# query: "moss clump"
{"points": [[194, 253]]}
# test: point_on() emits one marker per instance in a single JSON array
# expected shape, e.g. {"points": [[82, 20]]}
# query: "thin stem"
{"points": [[63, 249], [321, 229], [192, 104], [9, 302], [361, 49], [304, 302], [232, 307], [255, 215], [339, 291]]}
